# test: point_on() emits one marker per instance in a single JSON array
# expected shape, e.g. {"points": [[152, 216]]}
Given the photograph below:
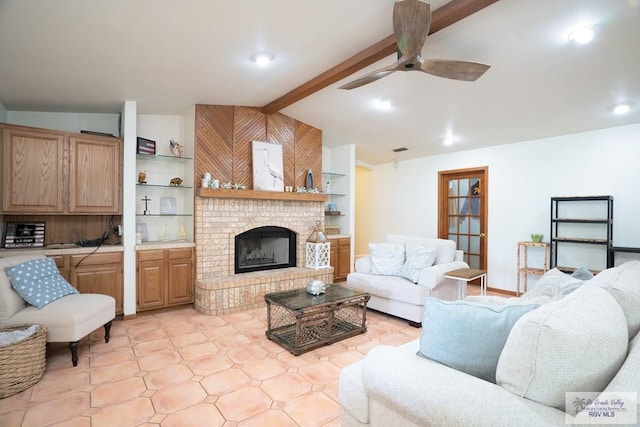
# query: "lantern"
{"points": [[318, 249]]}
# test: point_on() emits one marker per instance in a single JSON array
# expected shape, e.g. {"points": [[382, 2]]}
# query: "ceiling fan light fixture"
{"points": [[582, 35], [622, 108], [262, 59]]}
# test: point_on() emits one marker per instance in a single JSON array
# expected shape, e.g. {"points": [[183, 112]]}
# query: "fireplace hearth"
{"points": [[265, 248]]}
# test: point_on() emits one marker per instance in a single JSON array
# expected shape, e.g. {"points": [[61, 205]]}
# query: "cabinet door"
{"points": [[99, 273], [180, 281], [333, 258], [151, 284], [32, 171], [344, 259], [106, 279], [94, 175]]}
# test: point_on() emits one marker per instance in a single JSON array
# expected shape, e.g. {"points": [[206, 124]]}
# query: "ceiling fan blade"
{"points": [[411, 22], [370, 77], [456, 70]]}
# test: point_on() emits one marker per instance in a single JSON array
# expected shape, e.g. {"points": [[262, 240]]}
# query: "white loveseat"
{"points": [[584, 341], [399, 296]]}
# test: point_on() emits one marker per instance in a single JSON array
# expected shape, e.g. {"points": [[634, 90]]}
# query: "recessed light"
{"points": [[262, 59], [448, 140], [383, 104], [582, 35], [622, 107]]}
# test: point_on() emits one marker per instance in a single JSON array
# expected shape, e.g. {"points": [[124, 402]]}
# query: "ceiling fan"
{"points": [[411, 22]]}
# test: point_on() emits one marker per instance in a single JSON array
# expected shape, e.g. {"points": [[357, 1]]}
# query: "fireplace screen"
{"points": [[265, 248]]}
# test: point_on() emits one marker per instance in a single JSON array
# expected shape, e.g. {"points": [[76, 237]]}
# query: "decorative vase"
{"points": [[310, 179]]}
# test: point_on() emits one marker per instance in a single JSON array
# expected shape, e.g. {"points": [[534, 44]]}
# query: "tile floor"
{"points": [[182, 368]]}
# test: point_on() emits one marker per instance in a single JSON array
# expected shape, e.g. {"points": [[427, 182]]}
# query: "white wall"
{"points": [[68, 122], [522, 179]]}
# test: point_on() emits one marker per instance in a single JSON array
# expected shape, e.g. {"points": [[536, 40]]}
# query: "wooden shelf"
{"points": [[261, 195]]}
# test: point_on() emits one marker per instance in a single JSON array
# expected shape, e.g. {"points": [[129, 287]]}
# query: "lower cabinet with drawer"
{"points": [[98, 273], [164, 278]]}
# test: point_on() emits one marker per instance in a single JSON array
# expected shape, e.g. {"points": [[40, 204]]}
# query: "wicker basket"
{"points": [[23, 363]]}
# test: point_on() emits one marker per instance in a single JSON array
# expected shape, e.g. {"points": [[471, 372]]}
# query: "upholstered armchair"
{"points": [[68, 318]]}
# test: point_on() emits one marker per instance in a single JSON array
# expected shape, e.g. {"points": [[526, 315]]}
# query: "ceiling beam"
{"points": [[442, 17]]}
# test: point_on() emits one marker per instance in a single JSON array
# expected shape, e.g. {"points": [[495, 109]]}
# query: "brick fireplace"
{"points": [[218, 220]]}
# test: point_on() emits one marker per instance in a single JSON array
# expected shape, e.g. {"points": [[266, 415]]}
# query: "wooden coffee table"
{"points": [[301, 322]]}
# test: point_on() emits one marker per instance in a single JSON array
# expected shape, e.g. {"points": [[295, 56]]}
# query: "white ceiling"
{"points": [[90, 56]]}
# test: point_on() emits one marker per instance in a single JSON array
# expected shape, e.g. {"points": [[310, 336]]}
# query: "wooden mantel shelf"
{"points": [[261, 195]]}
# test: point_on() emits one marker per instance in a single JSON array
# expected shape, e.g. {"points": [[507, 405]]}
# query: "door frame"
{"points": [[443, 204]]}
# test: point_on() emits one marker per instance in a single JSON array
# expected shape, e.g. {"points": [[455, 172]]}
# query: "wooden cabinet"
{"points": [[52, 172], [99, 273], [165, 278], [151, 280], [94, 175], [32, 171], [340, 257]]}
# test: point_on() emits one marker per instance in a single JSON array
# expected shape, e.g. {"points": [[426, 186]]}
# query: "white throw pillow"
{"points": [[387, 259], [623, 283], [555, 284], [418, 258], [576, 343]]}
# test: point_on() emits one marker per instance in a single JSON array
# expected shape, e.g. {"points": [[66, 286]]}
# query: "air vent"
{"points": [[398, 150]]}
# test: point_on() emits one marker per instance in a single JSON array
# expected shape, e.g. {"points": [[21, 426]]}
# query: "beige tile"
{"points": [[313, 409], [322, 372], [179, 367], [270, 418], [56, 410], [210, 364], [242, 404], [225, 381], [129, 413], [171, 375], [262, 369], [200, 414], [111, 393], [177, 397], [286, 386]]}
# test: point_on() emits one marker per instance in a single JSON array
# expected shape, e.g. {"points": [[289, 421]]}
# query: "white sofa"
{"points": [[399, 296], [68, 319], [547, 351]]}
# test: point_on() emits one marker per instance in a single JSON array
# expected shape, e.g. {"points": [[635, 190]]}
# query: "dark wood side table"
{"points": [[301, 322]]}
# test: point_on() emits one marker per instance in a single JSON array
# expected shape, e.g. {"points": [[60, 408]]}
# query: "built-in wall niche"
{"points": [[62, 229], [164, 191]]}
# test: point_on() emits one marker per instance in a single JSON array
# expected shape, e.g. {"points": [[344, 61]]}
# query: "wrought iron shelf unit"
{"points": [[557, 240]]}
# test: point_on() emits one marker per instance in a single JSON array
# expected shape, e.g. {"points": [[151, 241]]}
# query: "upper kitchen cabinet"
{"points": [[94, 175], [32, 171], [52, 172]]}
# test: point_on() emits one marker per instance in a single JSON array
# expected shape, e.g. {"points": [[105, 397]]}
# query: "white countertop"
{"points": [[145, 246]]}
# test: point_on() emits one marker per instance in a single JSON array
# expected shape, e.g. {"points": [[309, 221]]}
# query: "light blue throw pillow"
{"points": [[39, 282], [466, 336]]}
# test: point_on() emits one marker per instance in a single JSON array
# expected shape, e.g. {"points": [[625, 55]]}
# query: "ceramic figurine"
{"points": [[176, 181], [142, 177], [176, 148]]}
